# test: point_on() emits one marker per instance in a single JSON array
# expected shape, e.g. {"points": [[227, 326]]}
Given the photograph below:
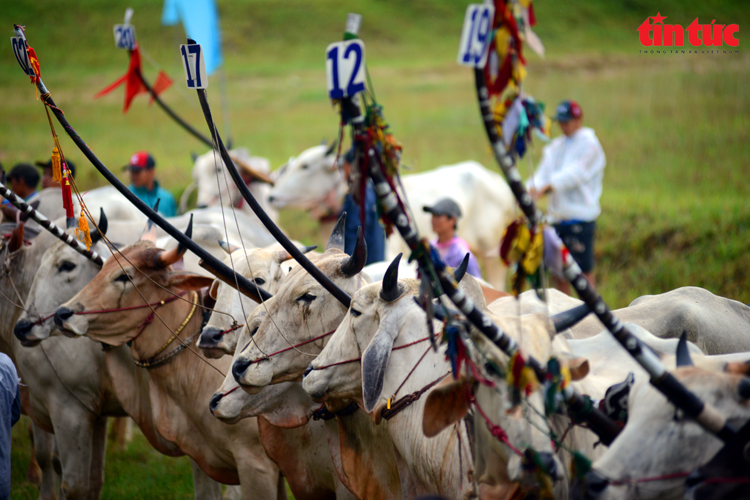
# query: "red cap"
{"points": [[139, 161]]}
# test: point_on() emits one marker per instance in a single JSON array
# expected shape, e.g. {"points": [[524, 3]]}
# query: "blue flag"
{"points": [[201, 21]]}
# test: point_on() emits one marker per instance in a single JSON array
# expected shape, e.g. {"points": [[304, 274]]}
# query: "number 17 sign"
{"points": [[345, 68]]}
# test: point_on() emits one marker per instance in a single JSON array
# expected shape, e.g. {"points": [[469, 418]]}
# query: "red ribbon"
{"points": [[131, 79]]}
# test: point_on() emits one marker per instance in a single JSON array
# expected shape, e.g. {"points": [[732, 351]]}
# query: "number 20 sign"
{"points": [[345, 68], [476, 35]]}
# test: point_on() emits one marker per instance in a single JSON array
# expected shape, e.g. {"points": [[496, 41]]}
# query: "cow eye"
{"points": [[218, 170], [308, 297], [255, 330], [355, 313], [260, 281], [123, 278], [304, 166], [66, 266]]}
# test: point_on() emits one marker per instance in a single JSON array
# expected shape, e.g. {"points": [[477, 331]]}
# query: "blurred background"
{"points": [[675, 127]]}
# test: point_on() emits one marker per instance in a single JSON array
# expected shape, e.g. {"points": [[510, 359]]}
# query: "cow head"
{"points": [[260, 265], [302, 310], [305, 181], [215, 187], [659, 440], [60, 275], [128, 279]]}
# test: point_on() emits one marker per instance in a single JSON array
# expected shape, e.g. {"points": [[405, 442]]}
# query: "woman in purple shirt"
{"points": [[452, 249]]}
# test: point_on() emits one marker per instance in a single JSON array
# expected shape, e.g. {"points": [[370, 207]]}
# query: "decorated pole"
{"points": [[218, 268], [395, 212], [706, 415], [50, 226], [199, 82]]}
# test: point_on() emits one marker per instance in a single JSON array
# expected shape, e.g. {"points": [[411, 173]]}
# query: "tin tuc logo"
{"points": [[658, 34]]}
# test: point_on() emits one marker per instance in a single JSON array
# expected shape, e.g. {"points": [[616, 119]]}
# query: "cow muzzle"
{"points": [[70, 324], [594, 485], [210, 344], [22, 331], [252, 376]]}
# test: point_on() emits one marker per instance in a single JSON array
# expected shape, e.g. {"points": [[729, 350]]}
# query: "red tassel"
{"points": [[67, 195]]}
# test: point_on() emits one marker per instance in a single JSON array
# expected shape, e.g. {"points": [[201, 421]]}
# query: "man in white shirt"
{"points": [[571, 173]]}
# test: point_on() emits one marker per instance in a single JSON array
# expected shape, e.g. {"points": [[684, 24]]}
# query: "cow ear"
{"points": [[445, 405], [16, 238], [578, 366], [374, 363], [214, 290], [738, 367], [188, 281]]}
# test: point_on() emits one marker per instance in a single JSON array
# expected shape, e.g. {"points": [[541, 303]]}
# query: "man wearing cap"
{"points": [[145, 186], [452, 249], [48, 180], [22, 180], [571, 174]]}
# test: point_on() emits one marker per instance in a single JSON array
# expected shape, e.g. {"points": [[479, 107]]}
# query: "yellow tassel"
{"points": [[82, 231], [389, 403], [56, 166]]}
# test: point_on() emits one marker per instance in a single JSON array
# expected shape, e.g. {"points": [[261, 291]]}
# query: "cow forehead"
{"points": [[310, 156]]}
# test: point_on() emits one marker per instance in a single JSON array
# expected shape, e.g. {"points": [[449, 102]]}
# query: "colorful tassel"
{"points": [[82, 231], [56, 166], [67, 195]]}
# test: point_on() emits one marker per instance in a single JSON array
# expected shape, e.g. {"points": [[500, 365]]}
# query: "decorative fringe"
{"points": [[56, 165], [67, 195], [82, 231]]}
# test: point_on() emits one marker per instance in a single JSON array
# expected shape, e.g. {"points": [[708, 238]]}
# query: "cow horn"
{"points": [[149, 232], [356, 262], [283, 255], [228, 247], [390, 290], [570, 318], [169, 257], [683, 353], [337, 236], [743, 388], [194, 156], [460, 271], [101, 229], [16, 237], [330, 149]]}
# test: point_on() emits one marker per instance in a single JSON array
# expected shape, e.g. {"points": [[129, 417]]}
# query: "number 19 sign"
{"points": [[345, 68], [476, 35]]}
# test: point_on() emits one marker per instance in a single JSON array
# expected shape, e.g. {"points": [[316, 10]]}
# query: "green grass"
{"points": [[675, 128]]}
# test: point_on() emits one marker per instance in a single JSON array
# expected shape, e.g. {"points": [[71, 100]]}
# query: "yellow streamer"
{"points": [[82, 231], [56, 165]]}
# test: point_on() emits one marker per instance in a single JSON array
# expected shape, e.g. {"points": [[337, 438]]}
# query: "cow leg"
{"points": [[98, 454], [42, 445], [74, 433], [121, 432], [204, 486], [259, 477]]}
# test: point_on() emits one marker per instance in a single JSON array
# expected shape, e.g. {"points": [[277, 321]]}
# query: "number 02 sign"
{"points": [[476, 35], [22, 56], [345, 68]]}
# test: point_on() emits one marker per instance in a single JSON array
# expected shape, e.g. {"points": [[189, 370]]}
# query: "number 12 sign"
{"points": [[345, 68], [476, 35]]}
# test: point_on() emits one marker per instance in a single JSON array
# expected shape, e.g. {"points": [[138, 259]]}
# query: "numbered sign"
{"points": [[476, 35], [345, 68], [194, 65], [125, 36], [22, 56]]}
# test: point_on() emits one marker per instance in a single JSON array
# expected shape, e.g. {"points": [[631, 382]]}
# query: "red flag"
{"points": [[162, 83], [132, 80]]}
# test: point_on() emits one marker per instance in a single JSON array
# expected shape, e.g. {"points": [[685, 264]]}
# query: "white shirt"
{"points": [[574, 168]]}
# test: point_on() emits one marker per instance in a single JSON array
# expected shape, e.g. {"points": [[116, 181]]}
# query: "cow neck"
{"points": [[153, 337]]}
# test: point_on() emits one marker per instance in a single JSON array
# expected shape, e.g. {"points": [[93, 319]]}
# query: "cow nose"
{"points": [[594, 485], [62, 315], [215, 401], [239, 368], [212, 335], [271, 199], [548, 463], [22, 328], [308, 371], [201, 205]]}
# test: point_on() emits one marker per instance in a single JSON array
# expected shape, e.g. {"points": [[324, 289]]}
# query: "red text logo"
{"points": [[658, 34]]}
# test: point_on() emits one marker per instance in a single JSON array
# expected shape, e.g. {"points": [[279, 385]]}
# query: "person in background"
{"points": [[48, 180], [22, 180], [452, 249], [571, 174], [144, 185], [373, 231], [10, 412]]}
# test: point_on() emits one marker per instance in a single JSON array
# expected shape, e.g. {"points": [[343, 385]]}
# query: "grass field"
{"points": [[675, 128]]}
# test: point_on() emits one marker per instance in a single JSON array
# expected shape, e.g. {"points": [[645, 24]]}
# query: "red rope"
{"points": [[235, 327], [293, 347], [360, 358], [143, 306], [496, 430]]}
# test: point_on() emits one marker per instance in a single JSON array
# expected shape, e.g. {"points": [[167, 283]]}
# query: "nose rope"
{"points": [[230, 329], [292, 347]]}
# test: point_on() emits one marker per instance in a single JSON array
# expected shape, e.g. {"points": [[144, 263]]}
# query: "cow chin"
{"points": [[74, 327], [315, 384], [256, 377]]}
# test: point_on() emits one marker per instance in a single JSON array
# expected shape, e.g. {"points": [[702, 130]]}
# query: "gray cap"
{"points": [[444, 206]]}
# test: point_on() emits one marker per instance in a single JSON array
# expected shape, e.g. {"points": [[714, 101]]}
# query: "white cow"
{"points": [[486, 201], [215, 186]]}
